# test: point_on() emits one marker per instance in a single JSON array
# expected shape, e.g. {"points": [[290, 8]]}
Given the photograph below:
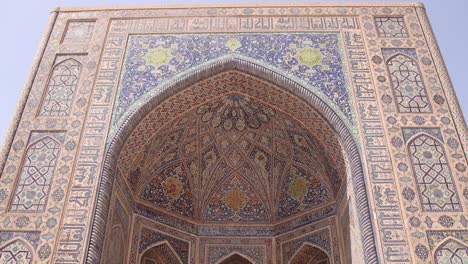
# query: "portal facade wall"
{"points": [[377, 67]]}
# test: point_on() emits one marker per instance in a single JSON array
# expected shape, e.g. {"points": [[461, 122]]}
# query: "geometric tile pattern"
{"points": [[34, 182], [432, 174], [16, 251], [60, 91], [151, 60], [391, 27], [229, 83], [408, 86], [79, 31], [436, 237], [251, 163], [451, 252]]}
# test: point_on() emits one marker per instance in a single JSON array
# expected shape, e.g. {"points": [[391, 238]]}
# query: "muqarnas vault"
{"points": [[279, 133]]}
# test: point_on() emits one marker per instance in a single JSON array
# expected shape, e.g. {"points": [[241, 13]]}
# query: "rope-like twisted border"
{"points": [[102, 202]]}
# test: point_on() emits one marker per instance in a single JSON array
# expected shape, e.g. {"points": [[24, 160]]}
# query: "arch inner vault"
{"points": [[229, 155]]}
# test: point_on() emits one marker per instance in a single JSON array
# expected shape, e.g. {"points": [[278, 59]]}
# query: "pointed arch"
{"points": [[61, 88], [312, 253], [408, 86], [235, 258], [432, 174], [451, 251], [225, 64], [16, 250], [35, 179], [161, 249]]}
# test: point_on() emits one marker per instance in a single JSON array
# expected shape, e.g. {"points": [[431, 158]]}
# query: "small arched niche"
{"points": [[160, 254], [309, 254], [235, 259]]}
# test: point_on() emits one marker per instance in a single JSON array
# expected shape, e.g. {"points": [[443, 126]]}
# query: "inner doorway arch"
{"points": [[310, 254], [236, 258], [246, 67]]}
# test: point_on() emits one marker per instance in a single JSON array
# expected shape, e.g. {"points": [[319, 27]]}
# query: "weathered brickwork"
{"points": [[265, 133]]}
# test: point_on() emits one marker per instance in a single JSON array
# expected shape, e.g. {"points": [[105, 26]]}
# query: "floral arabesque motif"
{"points": [[235, 111], [170, 188], [152, 59], [212, 173]]}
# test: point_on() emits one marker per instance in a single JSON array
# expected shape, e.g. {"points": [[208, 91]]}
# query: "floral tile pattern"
{"points": [[314, 58]]}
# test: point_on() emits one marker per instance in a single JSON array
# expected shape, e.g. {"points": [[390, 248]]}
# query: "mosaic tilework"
{"points": [[19, 246], [151, 60], [436, 237], [246, 163], [310, 254], [149, 237], [433, 175], [162, 253], [391, 27], [408, 86], [383, 185], [320, 239], [227, 83], [451, 252], [60, 91], [175, 102], [148, 233], [255, 254], [16, 251], [222, 229], [79, 31], [437, 124], [32, 237], [33, 186], [222, 249]]}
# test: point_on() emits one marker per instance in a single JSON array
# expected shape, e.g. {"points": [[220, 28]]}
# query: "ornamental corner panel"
{"points": [[272, 133]]}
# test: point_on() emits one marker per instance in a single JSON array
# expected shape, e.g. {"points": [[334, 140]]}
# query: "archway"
{"points": [[160, 254], [246, 69], [309, 254], [235, 259]]}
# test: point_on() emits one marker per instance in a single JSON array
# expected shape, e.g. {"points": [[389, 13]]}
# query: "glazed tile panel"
{"points": [[151, 60]]}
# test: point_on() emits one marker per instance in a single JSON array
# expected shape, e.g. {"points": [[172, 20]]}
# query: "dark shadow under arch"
{"points": [[235, 258], [104, 191], [312, 253]]}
